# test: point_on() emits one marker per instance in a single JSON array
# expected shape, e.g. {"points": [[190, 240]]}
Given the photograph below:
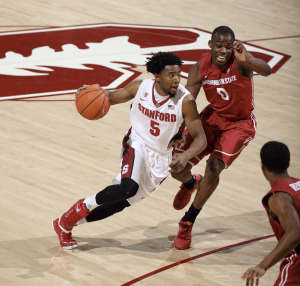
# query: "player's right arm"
{"points": [[124, 94], [194, 80], [246, 63]]}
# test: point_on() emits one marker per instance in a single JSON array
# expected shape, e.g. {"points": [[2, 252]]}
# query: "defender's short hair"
{"points": [[275, 156], [223, 30]]}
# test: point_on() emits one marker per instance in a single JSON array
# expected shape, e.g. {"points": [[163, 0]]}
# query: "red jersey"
{"points": [[290, 186], [229, 92]]}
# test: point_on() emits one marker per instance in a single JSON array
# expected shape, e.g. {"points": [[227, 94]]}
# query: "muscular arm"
{"points": [[124, 94], [194, 80], [246, 63], [282, 207], [194, 126]]}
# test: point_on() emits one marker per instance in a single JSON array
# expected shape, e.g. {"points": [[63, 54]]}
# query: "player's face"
{"points": [[221, 49], [168, 80]]}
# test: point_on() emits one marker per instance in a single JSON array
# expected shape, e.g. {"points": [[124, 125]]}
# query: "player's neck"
{"points": [[158, 91], [273, 177]]}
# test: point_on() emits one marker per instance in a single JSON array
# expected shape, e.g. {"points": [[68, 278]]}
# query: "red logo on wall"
{"points": [[55, 61]]}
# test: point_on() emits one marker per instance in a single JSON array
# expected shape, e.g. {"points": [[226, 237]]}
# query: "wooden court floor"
{"points": [[50, 157]]}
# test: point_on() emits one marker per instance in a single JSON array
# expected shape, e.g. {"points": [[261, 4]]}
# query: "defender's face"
{"points": [[168, 80], [221, 49]]}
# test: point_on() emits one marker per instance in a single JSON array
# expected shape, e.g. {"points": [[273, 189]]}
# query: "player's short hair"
{"points": [[223, 30], [275, 156], [157, 62]]}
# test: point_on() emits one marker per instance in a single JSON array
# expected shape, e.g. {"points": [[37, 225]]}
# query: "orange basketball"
{"points": [[92, 102]]}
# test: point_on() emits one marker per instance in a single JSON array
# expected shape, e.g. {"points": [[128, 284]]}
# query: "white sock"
{"points": [[90, 202], [82, 221]]}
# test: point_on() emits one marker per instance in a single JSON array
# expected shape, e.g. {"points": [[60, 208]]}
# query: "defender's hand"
{"points": [[178, 163]]}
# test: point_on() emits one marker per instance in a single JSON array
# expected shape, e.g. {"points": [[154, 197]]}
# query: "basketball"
{"points": [[92, 102]]}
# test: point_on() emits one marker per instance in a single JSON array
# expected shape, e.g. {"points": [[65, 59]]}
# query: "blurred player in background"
{"points": [[282, 204]]}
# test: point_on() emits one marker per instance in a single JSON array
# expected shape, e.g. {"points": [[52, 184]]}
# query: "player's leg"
{"points": [[191, 182], [207, 186], [107, 210], [209, 183], [127, 187], [228, 146]]}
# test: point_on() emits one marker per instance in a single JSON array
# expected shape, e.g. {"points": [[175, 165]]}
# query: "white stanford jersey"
{"points": [[156, 119]]}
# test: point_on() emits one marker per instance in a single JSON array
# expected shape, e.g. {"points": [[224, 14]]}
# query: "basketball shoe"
{"points": [[69, 219], [184, 195], [183, 238], [65, 239]]}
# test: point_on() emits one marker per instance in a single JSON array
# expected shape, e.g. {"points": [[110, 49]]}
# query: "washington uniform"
{"points": [[228, 121], [290, 265]]}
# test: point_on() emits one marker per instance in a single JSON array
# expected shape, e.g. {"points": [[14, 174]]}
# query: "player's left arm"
{"points": [[282, 206], [246, 63], [195, 128]]}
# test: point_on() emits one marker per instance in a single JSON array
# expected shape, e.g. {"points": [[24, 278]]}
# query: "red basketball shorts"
{"points": [[289, 271], [225, 139]]}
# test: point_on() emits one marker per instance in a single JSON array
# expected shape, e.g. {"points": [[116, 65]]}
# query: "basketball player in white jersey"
{"points": [[159, 110]]}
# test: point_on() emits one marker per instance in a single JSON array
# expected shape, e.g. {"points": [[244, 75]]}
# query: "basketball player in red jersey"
{"points": [[226, 75], [282, 204], [160, 107]]}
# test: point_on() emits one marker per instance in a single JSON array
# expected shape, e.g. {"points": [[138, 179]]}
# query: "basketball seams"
{"points": [[93, 100], [81, 95], [101, 109]]}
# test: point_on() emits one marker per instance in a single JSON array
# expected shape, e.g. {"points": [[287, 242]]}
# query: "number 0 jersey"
{"points": [[229, 92], [156, 119]]}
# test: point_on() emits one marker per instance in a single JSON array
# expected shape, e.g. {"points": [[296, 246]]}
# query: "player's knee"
{"points": [[214, 167], [130, 187]]}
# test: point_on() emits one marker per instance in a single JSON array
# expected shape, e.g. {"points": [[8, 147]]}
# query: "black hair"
{"points": [[275, 156], [159, 61], [223, 30]]}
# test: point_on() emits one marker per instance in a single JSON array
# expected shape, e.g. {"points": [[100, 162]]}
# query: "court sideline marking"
{"points": [[193, 258]]}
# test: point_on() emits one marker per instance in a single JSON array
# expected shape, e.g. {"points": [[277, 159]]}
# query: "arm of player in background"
{"points": [[124, 94], [281, 205], [194, 126], [194, 80], [246, 63]]}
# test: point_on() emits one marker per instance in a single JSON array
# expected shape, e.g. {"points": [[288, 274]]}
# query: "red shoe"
{"points": [[183, 238], [65, 239], [184, 195], [69, 219]]}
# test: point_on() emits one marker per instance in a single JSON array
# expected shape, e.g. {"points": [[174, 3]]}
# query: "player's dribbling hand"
{"points": [[252, 275], [84, 87]]}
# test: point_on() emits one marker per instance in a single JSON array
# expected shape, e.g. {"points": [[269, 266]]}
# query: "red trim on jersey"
{"points": [[157, 105]]}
